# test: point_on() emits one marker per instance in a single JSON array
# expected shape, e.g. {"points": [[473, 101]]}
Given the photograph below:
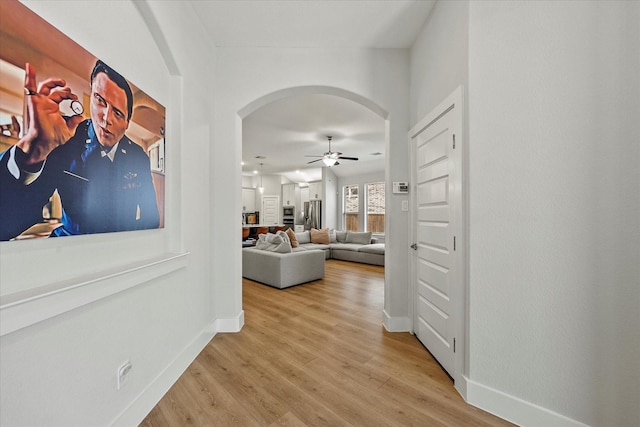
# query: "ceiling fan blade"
{"points": [[313, 161], [348, 158]]}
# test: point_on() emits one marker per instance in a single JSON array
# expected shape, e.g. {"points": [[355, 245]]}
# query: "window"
{"points": [[351, 207], [374, 218]]}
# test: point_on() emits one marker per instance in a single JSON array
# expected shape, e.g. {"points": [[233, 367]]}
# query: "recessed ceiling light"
{"points": [[242, 163], [255, 172]]}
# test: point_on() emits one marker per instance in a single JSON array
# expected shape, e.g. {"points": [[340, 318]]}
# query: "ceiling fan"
{"points": [[330, 158]]}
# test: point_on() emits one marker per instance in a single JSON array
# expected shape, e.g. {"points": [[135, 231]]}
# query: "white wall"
{"points": [[62, 370], [553, 154], [554, 205], [439, 57], [245, 75], [330, 202]]}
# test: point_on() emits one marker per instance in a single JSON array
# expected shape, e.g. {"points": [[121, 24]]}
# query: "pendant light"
{"points": [[261, 188]]}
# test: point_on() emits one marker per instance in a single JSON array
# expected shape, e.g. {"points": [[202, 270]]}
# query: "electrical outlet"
{"points": [[123, 374]]}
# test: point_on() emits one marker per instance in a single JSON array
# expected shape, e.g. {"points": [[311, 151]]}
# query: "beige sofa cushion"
{"points": [[303, 237], [362, 237], [377, 248]]}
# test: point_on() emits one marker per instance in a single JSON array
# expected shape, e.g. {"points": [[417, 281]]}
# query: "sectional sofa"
{"points": [[282, 270], [287, 259], [345, 245]]}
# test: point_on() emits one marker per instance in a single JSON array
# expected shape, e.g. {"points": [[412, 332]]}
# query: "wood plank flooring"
{"points": [[316, 355]]}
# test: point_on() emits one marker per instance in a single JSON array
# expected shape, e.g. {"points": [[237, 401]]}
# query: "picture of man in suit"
{"points": [[103, 179]]}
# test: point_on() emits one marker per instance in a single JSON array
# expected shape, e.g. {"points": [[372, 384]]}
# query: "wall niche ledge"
{"points": [[25, 308]]}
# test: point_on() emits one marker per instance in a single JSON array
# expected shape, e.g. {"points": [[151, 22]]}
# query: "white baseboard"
{"points": [[144, 403], [395, 324], [514, 409], [234, 324]]}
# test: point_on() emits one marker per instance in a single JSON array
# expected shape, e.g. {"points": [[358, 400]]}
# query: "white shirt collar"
{"points": [[111, 154]]}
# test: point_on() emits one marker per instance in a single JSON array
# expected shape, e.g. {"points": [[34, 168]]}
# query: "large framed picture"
{"points": [[82, 148]]}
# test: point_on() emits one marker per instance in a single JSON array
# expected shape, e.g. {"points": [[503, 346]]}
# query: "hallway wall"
{"points": [[553, 199], [61, 371]]}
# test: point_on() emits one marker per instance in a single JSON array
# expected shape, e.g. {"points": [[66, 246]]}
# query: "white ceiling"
{"points": [[287, 130], [313, 23]]}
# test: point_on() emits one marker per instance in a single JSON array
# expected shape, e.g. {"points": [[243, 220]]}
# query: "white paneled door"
{"points": [[270, 210], [437, 279]]}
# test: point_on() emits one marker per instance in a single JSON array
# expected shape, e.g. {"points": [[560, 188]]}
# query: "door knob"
{"points": [[414, 246]]}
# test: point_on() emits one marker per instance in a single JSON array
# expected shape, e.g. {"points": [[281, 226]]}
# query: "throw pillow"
{"points": [[303, 237], [272, 243], [341, 236], [362, 237], [332, 236], [284, 236], [292, 238], [320, 237]]}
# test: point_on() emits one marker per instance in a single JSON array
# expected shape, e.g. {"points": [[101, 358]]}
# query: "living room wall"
{"points": [[330, 204], [360, 181], [61, 370]]}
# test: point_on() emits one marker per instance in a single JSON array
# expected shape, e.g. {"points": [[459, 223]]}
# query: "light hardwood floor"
{"points": [[316, 355]]}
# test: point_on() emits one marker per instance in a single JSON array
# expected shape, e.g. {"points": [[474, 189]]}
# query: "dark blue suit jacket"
{"points": [[98, 195]]}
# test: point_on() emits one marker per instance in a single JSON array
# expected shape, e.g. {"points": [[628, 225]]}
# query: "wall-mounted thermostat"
{"points": [[400, 187]]}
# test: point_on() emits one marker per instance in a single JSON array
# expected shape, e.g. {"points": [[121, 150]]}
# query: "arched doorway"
{"points": [[255, 107]]}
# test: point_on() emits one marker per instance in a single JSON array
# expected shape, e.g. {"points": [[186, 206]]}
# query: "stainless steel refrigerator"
{"points": [[313, 215]]}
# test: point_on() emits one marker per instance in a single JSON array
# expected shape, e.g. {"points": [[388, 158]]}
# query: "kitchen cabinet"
{"points": [[315, 190], [248, 200], [289, 194], [304, 195]]}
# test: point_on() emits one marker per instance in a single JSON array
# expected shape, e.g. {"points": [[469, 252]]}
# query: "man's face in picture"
{"points": [[108, 110]]}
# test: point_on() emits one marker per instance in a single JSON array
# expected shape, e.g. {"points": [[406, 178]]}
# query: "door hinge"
{"points": [[454, 141], [454, 345], [454, 243]]}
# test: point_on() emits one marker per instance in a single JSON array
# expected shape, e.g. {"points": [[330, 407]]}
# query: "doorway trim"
{"points": [[397, 323]]}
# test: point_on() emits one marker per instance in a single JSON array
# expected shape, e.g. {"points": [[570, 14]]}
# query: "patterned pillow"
{"points": [[320, 237], [272, 243], [284, 236]]}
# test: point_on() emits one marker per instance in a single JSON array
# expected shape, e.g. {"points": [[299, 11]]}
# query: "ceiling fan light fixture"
{"points": [[329, 161]]}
